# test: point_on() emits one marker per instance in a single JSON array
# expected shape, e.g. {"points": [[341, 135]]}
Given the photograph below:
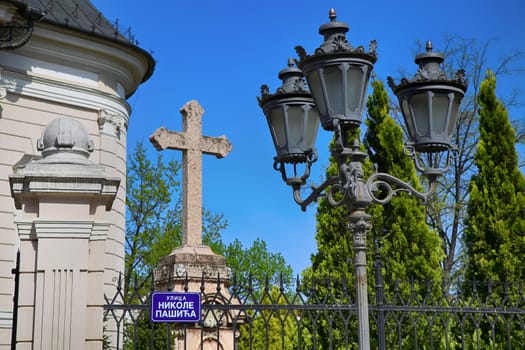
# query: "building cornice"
{"points": [[39, 15], [63, 92], [61, 44]]}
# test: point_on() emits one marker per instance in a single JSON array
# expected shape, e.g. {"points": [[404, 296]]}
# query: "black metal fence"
{"points": [[322, 315]]}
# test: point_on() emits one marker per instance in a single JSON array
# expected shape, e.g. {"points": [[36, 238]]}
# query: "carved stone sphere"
{"points": [[65, 138]]}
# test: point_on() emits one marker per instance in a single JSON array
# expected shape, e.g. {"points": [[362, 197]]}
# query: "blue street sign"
{"points": [[175, 307]]}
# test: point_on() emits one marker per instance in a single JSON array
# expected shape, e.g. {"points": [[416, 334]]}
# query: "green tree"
{"points": [[154, 216], [262, 278], [331, 279], [495, 226], [447, 210], [257, 265], [270, 329], [152, 223], [411, 249], [153, 229]]}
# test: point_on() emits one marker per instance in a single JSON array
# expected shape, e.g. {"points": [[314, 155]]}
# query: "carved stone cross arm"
{"points": [[193, 145], [163, 139]]}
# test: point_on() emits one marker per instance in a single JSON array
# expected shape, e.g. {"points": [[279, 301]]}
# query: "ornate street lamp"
{"points": [[430, 104], [293, 121], [337, 75]]}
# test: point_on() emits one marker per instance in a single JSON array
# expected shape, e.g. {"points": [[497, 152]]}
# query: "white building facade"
{"points": [[65, 75]]}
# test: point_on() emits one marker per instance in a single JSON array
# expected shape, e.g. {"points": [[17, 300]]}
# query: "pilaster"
{"points": [[63, 203]]}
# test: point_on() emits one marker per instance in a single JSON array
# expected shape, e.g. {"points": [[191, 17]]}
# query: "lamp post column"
{"points": [[359, 225]]}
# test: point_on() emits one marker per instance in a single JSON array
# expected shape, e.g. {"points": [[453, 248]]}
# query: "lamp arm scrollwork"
{"points": [[389, 186], [317, 191]]}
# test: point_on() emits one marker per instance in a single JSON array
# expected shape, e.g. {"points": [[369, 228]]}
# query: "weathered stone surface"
{"points": [[193, 263], [194, 267], [193, 145]]}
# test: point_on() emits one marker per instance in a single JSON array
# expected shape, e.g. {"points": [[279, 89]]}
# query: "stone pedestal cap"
{"points": [[64, 167], [192, 263], [65, 139]]}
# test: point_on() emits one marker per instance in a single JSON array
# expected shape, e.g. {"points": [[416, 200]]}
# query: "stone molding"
{"points": [[64, 167], [100, 231], [30, 185], [69, 229], [193, 263], [6, 319], [61, 92], [3, 90], [5, 84], [111, 123], [46, 228], [25, 230]]}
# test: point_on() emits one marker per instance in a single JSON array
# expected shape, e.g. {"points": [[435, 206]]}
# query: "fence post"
{"points": [[379, 297], [16, 272]]}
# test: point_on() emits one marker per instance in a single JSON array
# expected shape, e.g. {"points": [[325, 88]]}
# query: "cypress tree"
{"points": [[410, 249], [495, 227], [331, 279]]}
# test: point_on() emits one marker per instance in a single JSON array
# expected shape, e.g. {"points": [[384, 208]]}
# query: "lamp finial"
{"points": [[332, 15], [429, 46]]}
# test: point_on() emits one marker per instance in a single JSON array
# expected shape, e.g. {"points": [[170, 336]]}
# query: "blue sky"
{"points": [[220, 52]]}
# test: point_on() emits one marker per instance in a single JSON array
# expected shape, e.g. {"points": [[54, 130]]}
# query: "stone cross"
{"points": [[193, 145]]}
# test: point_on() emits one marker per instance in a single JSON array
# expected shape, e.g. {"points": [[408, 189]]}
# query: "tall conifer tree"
{"points": [[410, 249], [495, 227], [495, 224], [331, 276]]}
